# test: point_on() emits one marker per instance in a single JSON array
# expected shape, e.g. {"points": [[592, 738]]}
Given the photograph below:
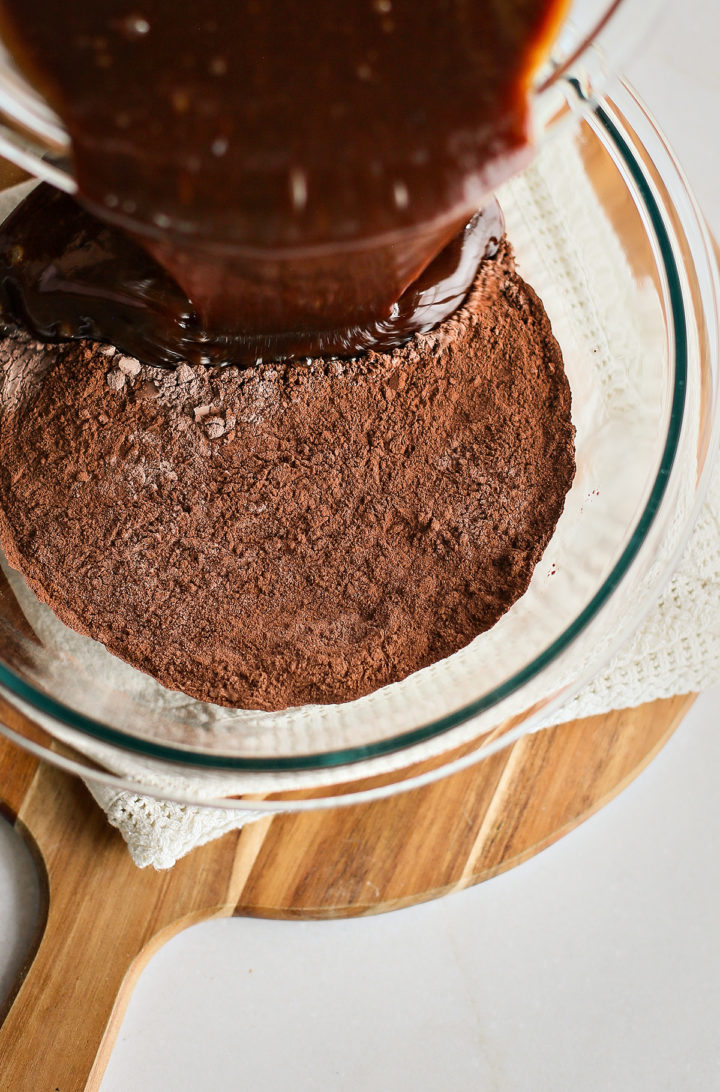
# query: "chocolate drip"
{"points": [[66, 274]]}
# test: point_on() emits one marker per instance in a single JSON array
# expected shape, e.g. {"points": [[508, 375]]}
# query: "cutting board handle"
{"points": [[61, 1024], [101, 920]]}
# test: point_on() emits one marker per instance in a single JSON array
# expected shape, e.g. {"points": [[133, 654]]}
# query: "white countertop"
{"points": [[594, 966]]}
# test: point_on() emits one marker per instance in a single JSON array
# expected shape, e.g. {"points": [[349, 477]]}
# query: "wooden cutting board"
{"points": [[103, 918]]}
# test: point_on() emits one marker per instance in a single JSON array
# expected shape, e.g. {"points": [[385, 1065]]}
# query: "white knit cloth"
{"points": [[676, 650]]}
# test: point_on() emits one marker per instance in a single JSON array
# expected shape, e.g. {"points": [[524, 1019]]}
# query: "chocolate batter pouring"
{"points": [[294, 167], [66, 273], [286, 534], [259, 182]]}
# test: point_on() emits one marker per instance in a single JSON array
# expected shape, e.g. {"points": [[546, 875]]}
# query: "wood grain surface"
{"points": [[104, 918]]}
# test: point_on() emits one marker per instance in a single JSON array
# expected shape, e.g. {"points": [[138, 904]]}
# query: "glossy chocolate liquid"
{"points": [[268, 179]]}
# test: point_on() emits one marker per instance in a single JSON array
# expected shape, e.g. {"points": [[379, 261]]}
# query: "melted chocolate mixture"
{"points": [[65, 273], [304, 174]]}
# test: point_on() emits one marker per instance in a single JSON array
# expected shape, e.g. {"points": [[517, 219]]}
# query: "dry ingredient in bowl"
{"points": [[290, 533]]}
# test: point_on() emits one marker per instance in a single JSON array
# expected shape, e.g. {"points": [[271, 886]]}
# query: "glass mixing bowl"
{"points": [[605, 229], [607, 233]]}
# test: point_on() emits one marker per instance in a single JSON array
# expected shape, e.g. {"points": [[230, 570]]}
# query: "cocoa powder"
{"points": [[290, 533]]}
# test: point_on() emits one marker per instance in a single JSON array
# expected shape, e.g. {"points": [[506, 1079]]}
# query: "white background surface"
{"points": [[594, 966]]}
